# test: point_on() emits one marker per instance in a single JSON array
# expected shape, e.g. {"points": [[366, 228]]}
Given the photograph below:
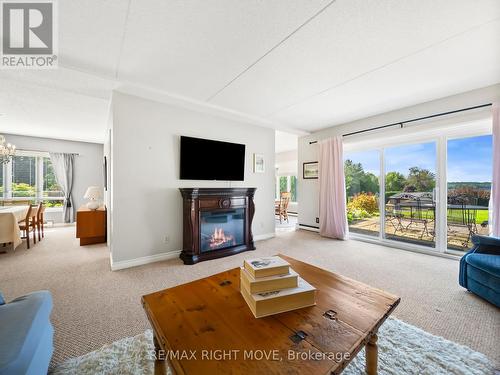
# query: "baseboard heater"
{"points": [[308, 226]]}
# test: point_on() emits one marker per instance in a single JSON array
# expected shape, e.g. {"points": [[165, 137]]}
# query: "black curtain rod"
{"points": [[401, 123]]}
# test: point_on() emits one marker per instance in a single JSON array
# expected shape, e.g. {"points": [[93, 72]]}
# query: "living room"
{"points": [[260, 187]]}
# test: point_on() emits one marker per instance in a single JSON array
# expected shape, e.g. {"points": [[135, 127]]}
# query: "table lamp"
{"points": [[93, 194]]}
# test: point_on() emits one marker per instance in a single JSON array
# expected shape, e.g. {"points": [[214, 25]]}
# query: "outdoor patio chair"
{"points": [[462, 211], [394, 216]]}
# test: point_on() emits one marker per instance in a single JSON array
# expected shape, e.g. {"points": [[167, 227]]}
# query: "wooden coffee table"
{"points": [[205, 327]]}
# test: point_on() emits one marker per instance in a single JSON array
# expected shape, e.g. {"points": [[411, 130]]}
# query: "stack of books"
{"points": [[269, 286]]}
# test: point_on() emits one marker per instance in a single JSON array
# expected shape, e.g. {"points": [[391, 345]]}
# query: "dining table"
{"points": [[9, 223]]}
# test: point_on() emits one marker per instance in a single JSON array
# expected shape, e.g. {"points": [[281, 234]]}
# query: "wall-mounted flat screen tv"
{"points": [[204, 159]]}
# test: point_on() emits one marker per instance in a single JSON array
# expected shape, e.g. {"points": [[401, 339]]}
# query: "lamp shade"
{"points": [[93, 193]]}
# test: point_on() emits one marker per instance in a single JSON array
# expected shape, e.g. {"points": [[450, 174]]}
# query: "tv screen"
{"points": [[203, 159]]}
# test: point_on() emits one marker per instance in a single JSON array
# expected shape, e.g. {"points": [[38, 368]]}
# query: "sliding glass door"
{"points": [[430, 195], [410, 182], [469, 173], [362, 173]]}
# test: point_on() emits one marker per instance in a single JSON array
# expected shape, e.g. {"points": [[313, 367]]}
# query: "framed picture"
{"points": [[310, 170], [258, 163]]}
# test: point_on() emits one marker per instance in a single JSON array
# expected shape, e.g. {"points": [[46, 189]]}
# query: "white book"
{"points": [[268, 283], [267, 266], [270, 303]]}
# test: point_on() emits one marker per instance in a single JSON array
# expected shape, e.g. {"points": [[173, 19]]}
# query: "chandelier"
{"points": [[7, 151]]}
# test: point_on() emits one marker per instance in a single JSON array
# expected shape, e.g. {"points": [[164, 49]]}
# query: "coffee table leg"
{"points": [[372, 355], [160, 361]]}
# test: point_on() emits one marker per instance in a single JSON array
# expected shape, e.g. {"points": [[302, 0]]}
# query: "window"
{"points": [[52, 193], [469, 176], [434, 193], [285, 184], [32, 178], [410, 205], [24, 177], [293, 188], [362, 171]]}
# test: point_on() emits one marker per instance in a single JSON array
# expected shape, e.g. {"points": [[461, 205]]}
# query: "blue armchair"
{"points": [[26, 334], [480, 269]]}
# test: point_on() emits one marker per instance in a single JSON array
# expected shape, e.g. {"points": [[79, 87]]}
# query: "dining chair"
{"points": [[28, 224], [281, 209], [40, 221]]}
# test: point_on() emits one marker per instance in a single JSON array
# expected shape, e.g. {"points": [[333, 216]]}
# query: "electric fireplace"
{"points": [[217, 222], [221, 229]]}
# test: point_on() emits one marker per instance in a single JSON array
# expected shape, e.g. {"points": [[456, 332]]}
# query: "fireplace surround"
{"points": [[217, 222]]}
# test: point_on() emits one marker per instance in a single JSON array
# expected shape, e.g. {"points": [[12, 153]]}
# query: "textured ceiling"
{"points": [[298, 65]]}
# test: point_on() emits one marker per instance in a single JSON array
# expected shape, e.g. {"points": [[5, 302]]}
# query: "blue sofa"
{"points": [[26, 334], [480, 269]]}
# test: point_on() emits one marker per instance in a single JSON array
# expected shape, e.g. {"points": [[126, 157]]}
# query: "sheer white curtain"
{"points": [[63, 170], [495, 186], [332, 196]]}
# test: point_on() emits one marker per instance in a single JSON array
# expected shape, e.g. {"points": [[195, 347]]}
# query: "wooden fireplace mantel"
{"points": [[198, 200]]}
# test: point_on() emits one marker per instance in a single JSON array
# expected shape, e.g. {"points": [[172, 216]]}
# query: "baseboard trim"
{"points": [[265, 236], [115, 266]]}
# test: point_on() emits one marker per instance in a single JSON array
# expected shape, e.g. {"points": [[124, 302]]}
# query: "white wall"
{"points": [[286, 163], [88, 164], [308, 190], [146, 202]]}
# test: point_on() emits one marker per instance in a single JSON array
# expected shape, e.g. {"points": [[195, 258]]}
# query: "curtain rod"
{"points": [[401, 123], [46, 152]]}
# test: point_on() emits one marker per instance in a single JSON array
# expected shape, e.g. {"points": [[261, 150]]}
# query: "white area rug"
{"points": [[403, 349]]}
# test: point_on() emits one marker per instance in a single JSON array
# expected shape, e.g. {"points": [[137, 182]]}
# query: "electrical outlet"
{"points": [[317, 220], [166, 239]]}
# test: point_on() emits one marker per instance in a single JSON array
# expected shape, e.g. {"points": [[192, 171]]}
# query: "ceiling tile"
{"points": [[51, 112], [90, 34], [194, 48], [348, 40], [464, 63]]}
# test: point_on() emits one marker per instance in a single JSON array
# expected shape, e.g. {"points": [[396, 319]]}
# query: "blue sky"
{"points": [[469, 159]]}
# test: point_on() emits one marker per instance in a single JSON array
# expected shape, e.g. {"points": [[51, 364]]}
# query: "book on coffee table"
{"points": [[267, 266], [278, 301], [268, 283]]}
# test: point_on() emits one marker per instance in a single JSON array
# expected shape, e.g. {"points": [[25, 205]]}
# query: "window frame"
{"points": [[39, 178], [440, 137]]}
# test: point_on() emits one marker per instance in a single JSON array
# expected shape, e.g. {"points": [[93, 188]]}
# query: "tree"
{"points": [[353, 173], [369, 183], [421, 179], [357, 180], [395, 181], [283, 184]]}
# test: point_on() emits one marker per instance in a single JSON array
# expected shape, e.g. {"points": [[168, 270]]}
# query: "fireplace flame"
{"points": [[219, 238]]}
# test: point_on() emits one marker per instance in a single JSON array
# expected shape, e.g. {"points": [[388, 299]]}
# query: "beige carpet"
{"points": [[94, 306]]}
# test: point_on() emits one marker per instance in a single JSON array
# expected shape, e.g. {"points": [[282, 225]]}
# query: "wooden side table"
{"points": [[91, 225]]}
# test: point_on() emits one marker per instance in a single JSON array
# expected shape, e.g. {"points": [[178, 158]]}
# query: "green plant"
{"points": [[23, 190], [363, 202]]}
